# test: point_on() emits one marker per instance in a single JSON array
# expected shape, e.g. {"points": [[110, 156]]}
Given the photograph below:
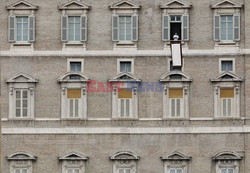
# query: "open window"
{"points": [[73, 163], [124, 24], [124, 162], [21, 25], [176, 162], [175, 94], [226, 22], [226, 95], [175, 21], [21, 162], [74, 20], [21, 96], [227, 162]]}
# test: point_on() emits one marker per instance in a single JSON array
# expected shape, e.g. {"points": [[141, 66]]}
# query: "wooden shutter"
{"points": [[135, 28], [175, 93], [165, 28], [115, 27], [31, 28], [12, 24], [84, 28], [237, 27], [185, 27], [64, 28], [216, 27]]}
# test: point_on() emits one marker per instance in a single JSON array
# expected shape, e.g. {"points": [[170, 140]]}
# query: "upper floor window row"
{"points": [[125, 22]]}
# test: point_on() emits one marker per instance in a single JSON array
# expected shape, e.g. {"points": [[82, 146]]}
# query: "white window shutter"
{"points": [[64, 28], [84, 28], [115, 28], [237, 27], [135, 28], [31, 28], [185, 27], [216, 27], [165, 28], [12, 24]]}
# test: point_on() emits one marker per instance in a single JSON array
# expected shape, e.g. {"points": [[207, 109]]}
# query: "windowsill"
{"points": [[21, 119], [22, 43], [176, 119], [125, 119], [74, 43], [182, 42], [125, 43], [227, 42], [227, 118], [73, 119]]}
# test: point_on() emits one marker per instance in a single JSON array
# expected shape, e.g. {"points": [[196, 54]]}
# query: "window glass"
{"points": [[21, 103], [22, 28], [226, 65], [226, 27], [125, 28], [74, 25], [125, 66]]}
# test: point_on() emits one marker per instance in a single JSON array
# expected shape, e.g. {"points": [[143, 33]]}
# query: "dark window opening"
{"points": [[175, 27]]}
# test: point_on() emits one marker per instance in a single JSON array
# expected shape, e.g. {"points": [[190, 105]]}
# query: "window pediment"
{"points": [[66, 77], [177, 156], [227, 77], [167, 77], [124, 4], [125, 77], [73, 156], [226, 4], [22, 5], [227, 155], [21, 156], [74, 5], [125, 155], [176, 4], [22, 78]]}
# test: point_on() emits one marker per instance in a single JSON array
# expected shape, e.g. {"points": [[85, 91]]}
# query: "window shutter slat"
{"points": [[115, 27], [185, 27], [84, 28], [216, 27], [12, 28], [237, 27], [135, 28], [64, 28], [165, 28], [31, 28]]}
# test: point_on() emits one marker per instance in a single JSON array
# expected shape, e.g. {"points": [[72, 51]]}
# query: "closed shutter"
{"points": [[84, 28], [135, 28], [237, 27], [165, 28], [185, 27], [64, 28], [31, 28], [216, 27], [12, 22], [115, 27]]}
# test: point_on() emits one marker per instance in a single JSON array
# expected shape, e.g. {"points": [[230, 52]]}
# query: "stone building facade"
{"points": [[95, 86]]}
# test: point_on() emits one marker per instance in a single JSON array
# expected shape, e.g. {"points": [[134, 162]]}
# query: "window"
{"points": [[74, 101], [75, 66], [226, 27], [21, 170], [124, 170], [174, 68], [227, 170], [73, 170], [125, 65], [74, 25], [175, 26], [227, 99], [227, 65], [175, 170], [21, 103], [22, 28], [125, 102], [125, 28], [176, 102]]}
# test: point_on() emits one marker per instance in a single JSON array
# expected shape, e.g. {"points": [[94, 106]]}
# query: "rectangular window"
{"points": [[73, 170], [125, 66], [175, 100], [75, 67], [175, 170], [175, 26], [226, 27], [125, 28], [21, 170], [227, 170], [74, 24], [73, 97], [125, 102], [124, 170], [21, 103], [227, 97], [227, 65], [22, 24]]}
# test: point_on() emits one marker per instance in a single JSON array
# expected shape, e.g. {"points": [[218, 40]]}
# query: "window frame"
{"points": [[69, 60], [226, 59], [74, 41], [125, 60], [169, 65], [28, 24]]}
